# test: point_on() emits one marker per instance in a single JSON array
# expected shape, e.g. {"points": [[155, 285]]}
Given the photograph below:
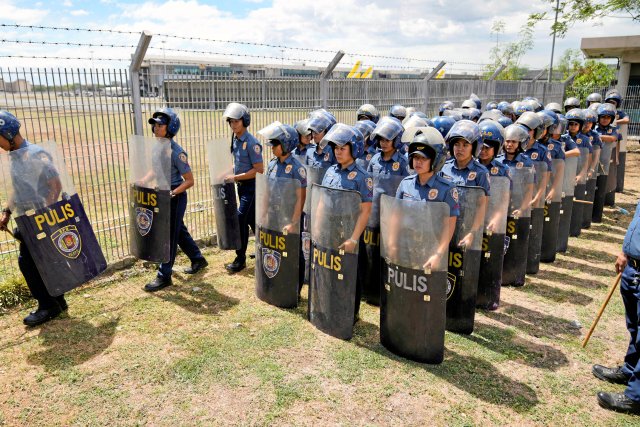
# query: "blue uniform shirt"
{"points": [[301, 152], [518, 162], [291, 168], [437, 189], [247, 152], [631, 243], [179, 163], [396, 165], [582, 141], [539, 153], [322, 160], [474, 174], [353, 177], [27, 194], [568, 144], [554, 147], [497, 168], [594, 137], [607, 130]]}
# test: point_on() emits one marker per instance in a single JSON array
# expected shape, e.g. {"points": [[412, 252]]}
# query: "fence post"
{"points": [[324, 78], [134, 77], [425, 84], [497, 72], [566, 83]]}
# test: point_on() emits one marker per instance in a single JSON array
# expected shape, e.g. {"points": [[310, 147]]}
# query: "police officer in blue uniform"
{"points": [[627, 263], [366, 127], [388, 160], [320, 157], [48, 190], [492, 141], [166, 124], [247, 162], [304, 140]]}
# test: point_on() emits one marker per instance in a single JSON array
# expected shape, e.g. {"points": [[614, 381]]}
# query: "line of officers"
{"points": [[426, 217]]}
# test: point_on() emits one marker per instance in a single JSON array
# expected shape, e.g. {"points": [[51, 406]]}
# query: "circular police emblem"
{"points": [[451, 284], [67, 241], [183, 157], [534, 156], [433, 193], [270, 262], [395, 166], [472, 175], [144, 220], [551, 146], [352, 175], [326, 157], [370, 184], [519, 165], [256, 148], [306, 244], [548, 155], [609, 130], [368, 157], [579, 141], [494, 170], [288, 168], [454, 194], [244, 146], [302, 171]]}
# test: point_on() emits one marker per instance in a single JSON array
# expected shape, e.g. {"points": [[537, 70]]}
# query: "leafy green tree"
{"points": [[592, 75], [509, 54]]}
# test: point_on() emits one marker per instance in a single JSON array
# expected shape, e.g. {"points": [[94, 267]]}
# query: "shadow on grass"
{"points": [[532, 322], [470, 374], [69, 342], [554, 294], [205, 301], [584, 254], [567, 279], [595, 235]]}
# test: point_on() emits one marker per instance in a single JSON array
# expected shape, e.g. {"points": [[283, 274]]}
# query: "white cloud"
{"points": [[79, 12], [24, 16], [67, 3]]}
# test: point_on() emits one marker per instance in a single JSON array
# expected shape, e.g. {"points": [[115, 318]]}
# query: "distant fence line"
{"points": [[92, 124]]}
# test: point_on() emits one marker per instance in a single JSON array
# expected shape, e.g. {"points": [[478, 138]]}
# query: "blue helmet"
{"points": [[9, 126], [285, 135], [302, 127], [490, 115], [606, 109], [534, 103], [467, 130], [368, 112], [550, 118], [341, 134], [532, 121], [472, 114], [590, 116], [398, 111], [571, 103], [518, 133], [555, 107], [446, 105], [594, 97], [523, 107], [477, 100], [505, 121], [166, 116], [491, 106], [559, 128], [319, 123], [575, 115], [388, 128], [415, 121], [237, 111], [505, 108], [443, 124], [613, 96], [365, 127], [468, 103], [323, 113], [428, 142], [492, 135]]}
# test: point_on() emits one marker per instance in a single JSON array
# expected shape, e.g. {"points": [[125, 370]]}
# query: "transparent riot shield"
{"points": [[601, 181], [552, 212], [566, 206], [516, 240], [495, 225], [278, 240], [580, 192], [149, 198], [52, 225], [333, 275], [590, 192], [537, 217], [225, 201], [314, 177], [370, 257], [414, 246], [464, 260]]}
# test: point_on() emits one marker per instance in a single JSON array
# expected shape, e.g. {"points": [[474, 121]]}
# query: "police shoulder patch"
{"points": [[519, 165], [551, 146], [352, 175], [534, 156], [433, 193], [369, 183], [326, 157], [368, 157], [472, 175], [302, 171], [494, 170], [256, 148], [454, 194], [288, 168], [244, 146], [183, 156], [395, 166]]}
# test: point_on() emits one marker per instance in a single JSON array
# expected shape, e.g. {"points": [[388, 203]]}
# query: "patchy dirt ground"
{"points": [[207, 351]]}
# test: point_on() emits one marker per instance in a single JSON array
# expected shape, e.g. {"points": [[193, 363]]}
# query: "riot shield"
{"points": [[590, 190], [580, 193], [516, 241], [552, 212], [333, 275], [149, 198], [314, 176], [464, 260], [413, 300], [601, 181], [537, 217], [495, 225], [277, 240], [225, 200], [51, 219], [370, 257], [566, 205]]}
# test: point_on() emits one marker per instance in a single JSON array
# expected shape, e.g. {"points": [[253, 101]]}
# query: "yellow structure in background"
{"points": [[440, 74], [356, 74]]}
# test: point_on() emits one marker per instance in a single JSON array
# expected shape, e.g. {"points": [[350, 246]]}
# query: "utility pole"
{"points": [[553, 43]]}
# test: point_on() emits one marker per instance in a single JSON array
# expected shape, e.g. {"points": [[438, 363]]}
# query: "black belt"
{"points": [[633, 262], [246, 182]]}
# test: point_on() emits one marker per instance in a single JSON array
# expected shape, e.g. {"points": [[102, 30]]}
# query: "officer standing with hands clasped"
{"points": [[247, 162], [166, 124], [627, 263]]}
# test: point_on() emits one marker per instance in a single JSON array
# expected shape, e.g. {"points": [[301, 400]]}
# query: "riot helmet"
{"points": [[428, 142], [571, 103], [285, 135], [468, 131], [9, 126], [398, 111], [388, 128], [368, 112], [166, 116], [237, 111]]}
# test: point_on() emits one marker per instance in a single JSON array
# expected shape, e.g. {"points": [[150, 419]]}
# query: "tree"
{"points": [[509, 54], [572, 11], [592, 75]]}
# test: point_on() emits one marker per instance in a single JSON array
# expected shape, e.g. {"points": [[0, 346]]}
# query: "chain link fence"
{"points": [[89, 113]]}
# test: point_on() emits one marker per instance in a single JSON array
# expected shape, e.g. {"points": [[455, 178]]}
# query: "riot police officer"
{"points": [[368, 112], [48, 189], [304, 140], [320, 157], [627, 263], [166, 124], [247, 162], [398, 111]]}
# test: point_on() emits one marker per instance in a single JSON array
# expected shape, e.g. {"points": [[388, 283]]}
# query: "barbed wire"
{"points": [[67, 43], [63, 57]]}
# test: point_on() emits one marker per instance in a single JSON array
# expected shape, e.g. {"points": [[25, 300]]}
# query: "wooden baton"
{"points": [[604, 305]]}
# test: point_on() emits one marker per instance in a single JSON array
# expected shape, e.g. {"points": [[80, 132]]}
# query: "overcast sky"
{"points": [[456, 31]]}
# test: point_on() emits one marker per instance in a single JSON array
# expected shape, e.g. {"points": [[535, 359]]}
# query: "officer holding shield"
{"points": [[247, 162], [48, 190], [166, 124]]}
